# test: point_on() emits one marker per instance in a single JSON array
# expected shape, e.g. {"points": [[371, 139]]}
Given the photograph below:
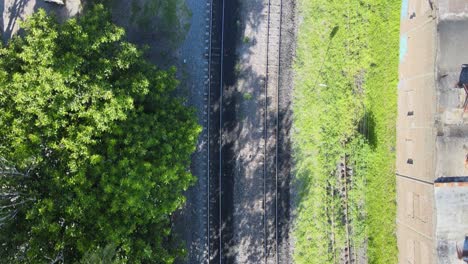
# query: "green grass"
{"points": [[345, 106], [237, 68]]}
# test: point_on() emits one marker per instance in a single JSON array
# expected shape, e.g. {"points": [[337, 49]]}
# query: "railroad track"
{"points": [[345, 176], [215, 56], [271, 129], [214, 42]]}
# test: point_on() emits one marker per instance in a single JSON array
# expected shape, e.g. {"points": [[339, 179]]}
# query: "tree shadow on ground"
{"points": [[243, 169], [246, 131], [158, 25], [244, 127], [366, 127]]}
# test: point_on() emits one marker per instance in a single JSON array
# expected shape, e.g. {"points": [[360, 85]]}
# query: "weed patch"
{"points": [[344, 115]]}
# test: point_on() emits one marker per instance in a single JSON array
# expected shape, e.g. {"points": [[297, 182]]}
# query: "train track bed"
{"points": [[249, 195]]}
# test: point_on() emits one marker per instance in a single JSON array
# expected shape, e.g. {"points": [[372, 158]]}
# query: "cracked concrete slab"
{"points": [[453, 9], [13, 11], [451, 201]]}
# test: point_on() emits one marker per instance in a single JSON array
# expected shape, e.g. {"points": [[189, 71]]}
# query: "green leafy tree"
{"points": [[106, 255], [100, 147]]}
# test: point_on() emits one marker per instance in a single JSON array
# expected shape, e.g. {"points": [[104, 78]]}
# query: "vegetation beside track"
{"points": [[345, 110], [94, 150]]}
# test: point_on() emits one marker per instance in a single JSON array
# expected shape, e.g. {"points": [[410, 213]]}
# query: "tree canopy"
{"points": [[94, 149]]}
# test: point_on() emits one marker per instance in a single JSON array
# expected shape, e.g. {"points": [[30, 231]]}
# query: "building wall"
{"points": [[415, 208], [415, 221], [416, 133]]}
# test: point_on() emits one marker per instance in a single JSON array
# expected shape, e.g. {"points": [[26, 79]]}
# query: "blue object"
{"points": [[404, 9], [465, 250], [403, 46], [463, 75]]}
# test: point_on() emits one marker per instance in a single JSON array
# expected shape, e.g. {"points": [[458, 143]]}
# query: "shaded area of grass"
{"points": [[345, 110]]}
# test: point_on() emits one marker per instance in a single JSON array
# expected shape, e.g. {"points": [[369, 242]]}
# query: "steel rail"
{"points": [[208, 167], [265, 134], [265, 131], [221, 134], [277, 131]]}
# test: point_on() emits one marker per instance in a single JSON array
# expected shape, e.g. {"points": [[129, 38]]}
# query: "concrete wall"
{"points": [[453, 9], [414, 248], [415, 157], [415, 221], [415, 210], [416, 134]]}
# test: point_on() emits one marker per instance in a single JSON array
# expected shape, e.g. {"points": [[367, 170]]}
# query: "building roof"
{"points": [[432, 134], [451, 202]]}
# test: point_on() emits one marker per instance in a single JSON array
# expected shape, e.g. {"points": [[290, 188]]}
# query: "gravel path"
{"points": [[286, 188], [191, 221], [248, 227]]}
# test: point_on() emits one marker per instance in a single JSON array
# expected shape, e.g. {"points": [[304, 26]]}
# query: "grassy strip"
{"points": [[345, 106], [382, 82]]}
